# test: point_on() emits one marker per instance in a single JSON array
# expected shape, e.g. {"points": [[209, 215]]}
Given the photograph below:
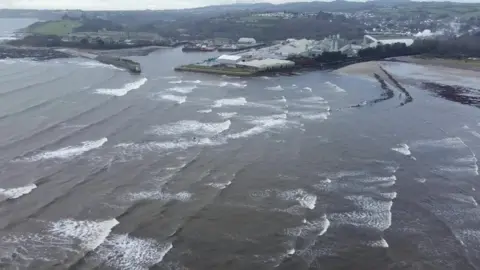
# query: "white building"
{"points": [[374, 41], [229, 60], [266, 64], [244, 40]]}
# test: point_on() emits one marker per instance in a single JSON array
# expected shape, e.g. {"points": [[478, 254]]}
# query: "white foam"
{"points": [[227, 115], [15, 193], [123, 90], [318, 116], [473, 170], [463, 198], [403, 149], [308, 89], [262, 124], [274, 88], [233, 84], [382, 243], [473, 162], [370, 204], [363, 219], [291, 251], [240, 101], [220, 185], [449, 143], [314, 99], [93, 64], [389, 180], [476, 134], [343, 174], [305, 199], [195, 82], [335, 87], [160, 195], [192, 126], [421, 180], [389, 195], [177, 99], [175, 82], [182, 90], [170, 145], [205, 111], [128, 252], [68, 152], [311, 229], [90, 233]]}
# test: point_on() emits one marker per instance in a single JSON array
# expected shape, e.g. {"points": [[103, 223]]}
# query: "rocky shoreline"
{"points": [[37, 54]]}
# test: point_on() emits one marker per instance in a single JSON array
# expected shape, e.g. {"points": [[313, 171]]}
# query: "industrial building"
{"points": [[267, 64], [375, 40]]}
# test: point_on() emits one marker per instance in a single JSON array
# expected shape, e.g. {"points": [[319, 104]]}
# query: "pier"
{"points": [[119, 62]]}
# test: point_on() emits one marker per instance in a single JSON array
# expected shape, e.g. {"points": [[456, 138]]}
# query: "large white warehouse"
{"points": [[374, 41]]}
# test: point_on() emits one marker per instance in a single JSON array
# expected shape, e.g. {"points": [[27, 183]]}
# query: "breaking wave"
{"points": [[335, 87], [305, 199], [93, 64], [227, 115], [68, 152], [90, 233], [275, 88], [15, 193], [220, 185], [262, 124], [449, 143], [241, 101], [309, 89], [160, 195], [205, 111], [124, 90], [182, 90], [191, 126], [309, 228], [169, 145], [177, 99], [128, 252]]}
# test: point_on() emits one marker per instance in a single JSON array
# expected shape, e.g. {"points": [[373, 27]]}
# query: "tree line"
{"points": [[458, 47]]}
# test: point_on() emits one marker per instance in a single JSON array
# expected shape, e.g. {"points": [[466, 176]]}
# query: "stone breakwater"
{"points": [[39, 54]]}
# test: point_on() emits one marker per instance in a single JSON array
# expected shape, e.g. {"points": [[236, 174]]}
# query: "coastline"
{"points": [[457, 82], [447, 69]]}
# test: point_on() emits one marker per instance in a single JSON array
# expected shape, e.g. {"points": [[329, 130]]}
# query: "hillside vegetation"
{"points": [[58, 28]]}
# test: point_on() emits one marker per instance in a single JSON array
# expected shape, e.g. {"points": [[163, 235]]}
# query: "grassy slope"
{"points": [[58, 28]]}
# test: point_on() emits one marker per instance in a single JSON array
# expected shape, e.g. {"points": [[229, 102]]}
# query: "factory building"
{"points": [[229, 60], [267, 64], [373, 41]]}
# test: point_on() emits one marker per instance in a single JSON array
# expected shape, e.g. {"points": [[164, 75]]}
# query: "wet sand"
{"points": [[445, 68]]}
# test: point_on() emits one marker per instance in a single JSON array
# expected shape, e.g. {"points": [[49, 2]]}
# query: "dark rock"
{"points": [[37, 54]]}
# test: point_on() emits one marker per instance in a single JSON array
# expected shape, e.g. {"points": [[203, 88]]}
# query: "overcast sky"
{"points": [[123, 4], [119, 4], [127, 4]]}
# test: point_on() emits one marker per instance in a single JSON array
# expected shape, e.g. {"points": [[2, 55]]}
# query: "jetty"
{"points": [[119, 62]]}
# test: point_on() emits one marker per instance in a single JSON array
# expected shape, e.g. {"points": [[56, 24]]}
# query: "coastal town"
{"points": [[253, 41]]}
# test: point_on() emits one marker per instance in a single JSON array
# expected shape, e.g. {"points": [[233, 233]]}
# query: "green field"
{"points": [[59, 28]]}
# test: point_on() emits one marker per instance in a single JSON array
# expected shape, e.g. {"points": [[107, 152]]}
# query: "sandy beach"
{"points": [[413, 70]]}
